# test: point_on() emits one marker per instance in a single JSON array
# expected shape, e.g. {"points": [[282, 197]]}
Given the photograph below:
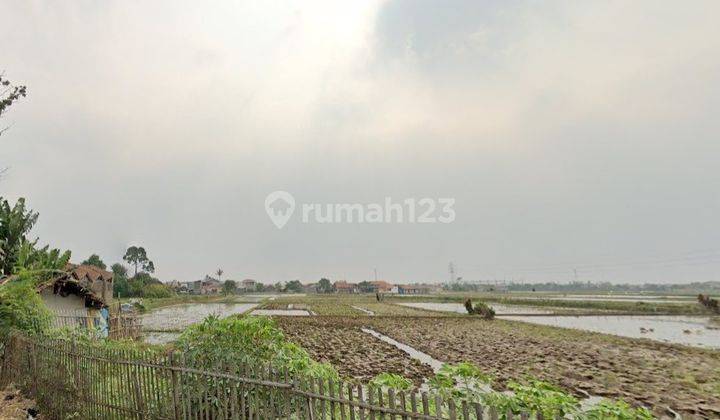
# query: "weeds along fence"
{"points": [[73, 380]]}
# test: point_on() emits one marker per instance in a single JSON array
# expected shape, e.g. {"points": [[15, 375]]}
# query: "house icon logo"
{"points": [[280, 206]]}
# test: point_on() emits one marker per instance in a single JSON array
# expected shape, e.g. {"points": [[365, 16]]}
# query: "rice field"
{"points": [[345, 331]]}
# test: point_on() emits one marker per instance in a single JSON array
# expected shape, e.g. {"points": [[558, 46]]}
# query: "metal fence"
{"points": [[68, 379]]}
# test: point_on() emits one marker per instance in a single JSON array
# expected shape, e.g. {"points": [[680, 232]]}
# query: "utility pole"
{"points": [[375, 269], [451, 269]]}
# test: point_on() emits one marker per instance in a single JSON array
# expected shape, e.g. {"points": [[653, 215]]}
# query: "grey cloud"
{"points": [[568, 133]]}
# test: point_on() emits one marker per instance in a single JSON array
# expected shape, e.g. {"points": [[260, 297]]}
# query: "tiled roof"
{"points": [[88, 272]]}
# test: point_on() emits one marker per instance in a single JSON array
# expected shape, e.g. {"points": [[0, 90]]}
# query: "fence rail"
{"points": [[119, 326], [67, 378]]}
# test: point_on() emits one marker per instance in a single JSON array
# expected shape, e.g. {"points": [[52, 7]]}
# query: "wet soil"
{"points": [[644, 372], [354, 353]]}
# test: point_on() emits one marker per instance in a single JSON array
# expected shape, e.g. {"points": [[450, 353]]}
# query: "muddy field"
{"points": [[354, 353], [341, 305], [651, 373], [641, 371]]}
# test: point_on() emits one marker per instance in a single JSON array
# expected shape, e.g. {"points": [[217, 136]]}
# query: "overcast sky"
{"points": [[572, 135]]}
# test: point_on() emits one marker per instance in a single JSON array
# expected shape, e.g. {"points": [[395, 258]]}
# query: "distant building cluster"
{"points": [[212, 286]]}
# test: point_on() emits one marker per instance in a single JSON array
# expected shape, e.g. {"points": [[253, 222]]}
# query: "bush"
{"points": [[463, 380], [387, 380], [21, 306], [617, 410], [480, 309], [251, 340], [157, 291], [534, 396]]}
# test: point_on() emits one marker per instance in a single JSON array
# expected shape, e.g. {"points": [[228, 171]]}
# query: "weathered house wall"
{"points": [[69, 305]]}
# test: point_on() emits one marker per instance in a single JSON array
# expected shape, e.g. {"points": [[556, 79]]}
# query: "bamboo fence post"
{"points": [[175, 384], [33, 389]]}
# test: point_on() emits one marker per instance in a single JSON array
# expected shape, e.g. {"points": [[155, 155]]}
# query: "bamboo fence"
{"points": [[119, 326], [74, 380]]}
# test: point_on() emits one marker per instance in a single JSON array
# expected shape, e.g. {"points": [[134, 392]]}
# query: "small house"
{"points": [[345, 287], [379, 286], [80, 297], [248, 285], [310, 288]]}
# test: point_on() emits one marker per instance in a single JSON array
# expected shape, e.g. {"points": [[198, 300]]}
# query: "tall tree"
{"points": [[9, 94], [219, 273], [120, 280], [15, 224], [229, 287], [96, 261], [324, 286], [137, 257], [31, 258], [294, 286]]}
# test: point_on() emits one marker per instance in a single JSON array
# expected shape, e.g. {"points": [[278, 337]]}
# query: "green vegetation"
{"points": [[96, 261], [141, 284], [600, 306], [15, 223], [465, 381], [293, 286], [617, 410], [324, 286], [28, 266], [229, 287], [536, 396], [592, 288], [390, 380], [480, 308], [9, 94], [21, 306], [30, 258], [251, 340], [137, 257]]}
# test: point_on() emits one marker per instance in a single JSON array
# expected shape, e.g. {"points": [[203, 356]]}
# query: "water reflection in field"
{"points": [[460, 308], [692, 331], [281, 312], [612, 298], [180, 316]]}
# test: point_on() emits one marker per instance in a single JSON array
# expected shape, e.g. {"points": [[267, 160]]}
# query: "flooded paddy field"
{"points": [[692, 331], [413, 338], [350, 305], [178, 317], [280, 312], [459, 308], [643, 371], [617, 298]]}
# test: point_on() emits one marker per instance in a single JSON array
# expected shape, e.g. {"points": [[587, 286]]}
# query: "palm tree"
{"points": [[219, 273]]}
